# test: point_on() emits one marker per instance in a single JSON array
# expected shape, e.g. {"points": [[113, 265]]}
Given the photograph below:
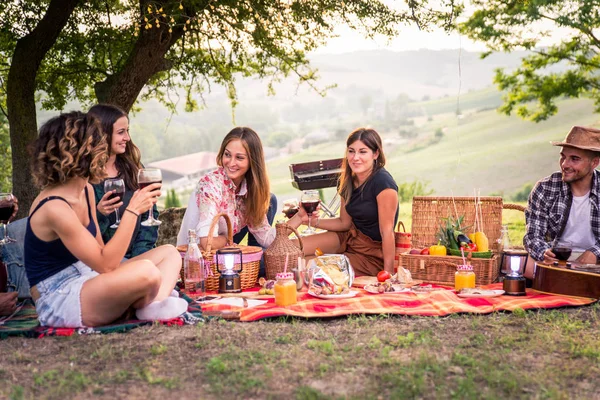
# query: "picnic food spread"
{"points": [[330, 274]]}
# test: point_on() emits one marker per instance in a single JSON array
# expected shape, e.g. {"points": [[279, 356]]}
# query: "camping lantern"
{"points": [[513, 262], [229, 265]]}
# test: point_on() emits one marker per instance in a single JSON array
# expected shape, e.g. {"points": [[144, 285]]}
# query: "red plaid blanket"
{"points": [[437, 303]]}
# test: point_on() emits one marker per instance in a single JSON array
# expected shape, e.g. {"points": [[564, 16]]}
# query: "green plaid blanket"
{"points": [[25, 323]]}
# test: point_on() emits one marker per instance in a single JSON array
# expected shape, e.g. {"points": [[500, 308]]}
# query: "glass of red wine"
{"points": [[310, 201], [290, 208], [7, 207], [117, 186], [562, 250], [146, 177]]}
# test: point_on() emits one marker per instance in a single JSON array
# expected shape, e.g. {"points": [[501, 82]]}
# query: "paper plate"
{"points": [[483, 295], [348, 295]]}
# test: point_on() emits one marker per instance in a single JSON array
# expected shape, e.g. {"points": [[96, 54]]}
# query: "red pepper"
{"points": [[470, 247]]}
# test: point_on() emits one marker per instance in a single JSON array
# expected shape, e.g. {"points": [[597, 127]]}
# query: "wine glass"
{"points": [[562, 250], [290, 208], [7, 207], [146, 177], [118, 187], [310, 201]]}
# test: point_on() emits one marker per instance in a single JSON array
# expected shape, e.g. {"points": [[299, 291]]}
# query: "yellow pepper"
{"points": [[472, 237], [481, 241], [437, 250]]}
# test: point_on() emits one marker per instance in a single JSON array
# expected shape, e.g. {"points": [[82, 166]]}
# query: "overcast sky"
{"points": [[410, 38]]}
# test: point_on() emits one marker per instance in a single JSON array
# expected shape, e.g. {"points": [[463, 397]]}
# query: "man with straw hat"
{"points": [[564, 208]]}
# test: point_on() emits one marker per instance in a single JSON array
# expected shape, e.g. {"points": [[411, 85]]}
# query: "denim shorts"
{"points": [[59, 304]]}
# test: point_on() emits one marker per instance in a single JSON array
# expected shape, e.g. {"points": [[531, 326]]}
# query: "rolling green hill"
{"points": [[482, 150]]}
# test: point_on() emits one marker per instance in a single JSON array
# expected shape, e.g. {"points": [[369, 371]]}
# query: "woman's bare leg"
{"points": [[328, 242], [168, 261], [105, 297]]}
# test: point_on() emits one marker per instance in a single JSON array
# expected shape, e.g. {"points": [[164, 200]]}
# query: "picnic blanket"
{"points": [[436, 303], [25, 323]]}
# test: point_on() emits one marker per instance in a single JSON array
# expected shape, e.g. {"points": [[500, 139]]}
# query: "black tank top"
{"points": [[44, 259]]}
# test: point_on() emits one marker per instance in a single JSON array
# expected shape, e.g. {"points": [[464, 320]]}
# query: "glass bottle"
{"points": [[285, 289], [464, 277], [503, 240], [193, 267]]}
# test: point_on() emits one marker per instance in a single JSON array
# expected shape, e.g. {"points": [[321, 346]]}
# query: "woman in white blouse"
{"points": [[239, 188]]}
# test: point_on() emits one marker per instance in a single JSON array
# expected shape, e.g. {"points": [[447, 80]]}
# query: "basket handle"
{"points": [[400, 223], [214, 222], [509, 206], [288, 227]]}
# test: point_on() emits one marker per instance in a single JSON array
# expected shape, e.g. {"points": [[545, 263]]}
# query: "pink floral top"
{"points": [[215, 193]]}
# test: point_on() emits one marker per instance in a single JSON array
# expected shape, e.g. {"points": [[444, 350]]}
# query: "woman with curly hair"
{"points": [[76, 280], [123, 162], [364, 231]]}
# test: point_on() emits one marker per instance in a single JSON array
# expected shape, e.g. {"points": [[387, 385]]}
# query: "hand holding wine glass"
{"points": [[115, 189], [290, 208], [146, 177], [8, 210], [310, 202]]}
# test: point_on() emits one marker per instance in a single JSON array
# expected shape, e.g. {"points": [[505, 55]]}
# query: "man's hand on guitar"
{"points": [[549, 257], [587, 258]]}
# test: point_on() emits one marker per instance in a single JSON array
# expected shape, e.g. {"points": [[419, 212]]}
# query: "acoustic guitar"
{"points": [[581, 280]]}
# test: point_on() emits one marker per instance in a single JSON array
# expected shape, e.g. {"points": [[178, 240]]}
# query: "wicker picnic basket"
{"points": [[427, 216], [403, 242], [282, 248], [251, 256]]}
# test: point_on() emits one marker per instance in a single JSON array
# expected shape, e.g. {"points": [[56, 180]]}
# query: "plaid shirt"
{"points": [[548, 210], [143, 238]]}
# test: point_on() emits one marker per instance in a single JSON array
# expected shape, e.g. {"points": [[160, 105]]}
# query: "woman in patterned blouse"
{"points": [[239, 187]]}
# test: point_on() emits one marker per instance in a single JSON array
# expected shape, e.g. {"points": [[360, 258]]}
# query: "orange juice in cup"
{"points": [[285, 289], [464, 277]]}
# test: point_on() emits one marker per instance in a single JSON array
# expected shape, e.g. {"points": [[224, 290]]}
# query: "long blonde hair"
{"points": [[257, 180], [372, 140]]}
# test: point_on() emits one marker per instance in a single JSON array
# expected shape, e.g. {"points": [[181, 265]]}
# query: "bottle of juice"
{"points": [[285, 289], [464, 277]]}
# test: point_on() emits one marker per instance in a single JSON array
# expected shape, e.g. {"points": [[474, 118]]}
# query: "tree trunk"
{"points": [[146, 59], [20, 95]]}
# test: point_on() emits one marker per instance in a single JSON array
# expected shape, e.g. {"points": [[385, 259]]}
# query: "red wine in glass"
{"points": [[144, 184], [562, 253], [7, 207], [146, 177], [290, 212], [117, 193], [310, 206], [6, 211]]}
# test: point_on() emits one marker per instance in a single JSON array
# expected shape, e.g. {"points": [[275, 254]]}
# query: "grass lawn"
{"points": [[547, 354], [550, 354]]}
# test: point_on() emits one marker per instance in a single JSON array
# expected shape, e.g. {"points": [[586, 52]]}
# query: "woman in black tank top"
{"points": [[76, 279]]}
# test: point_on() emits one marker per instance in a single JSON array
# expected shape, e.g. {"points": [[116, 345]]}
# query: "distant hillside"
{"points": [[482, 150]]}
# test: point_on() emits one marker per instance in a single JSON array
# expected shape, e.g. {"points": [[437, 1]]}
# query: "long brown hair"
{"points": [[69, 146], [128, 164], [372, 140], [257, 180]]}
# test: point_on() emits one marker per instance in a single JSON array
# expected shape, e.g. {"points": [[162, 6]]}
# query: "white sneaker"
{"points": [[169, 308]]}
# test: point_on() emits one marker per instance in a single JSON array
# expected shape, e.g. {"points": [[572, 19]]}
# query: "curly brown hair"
{"points": [[68, 146]]}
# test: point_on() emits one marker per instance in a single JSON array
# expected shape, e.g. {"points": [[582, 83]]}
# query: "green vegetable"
{"points": [[452, 244]]}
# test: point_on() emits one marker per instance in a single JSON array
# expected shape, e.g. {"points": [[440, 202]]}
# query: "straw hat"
{"points": [[581, 137]]}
